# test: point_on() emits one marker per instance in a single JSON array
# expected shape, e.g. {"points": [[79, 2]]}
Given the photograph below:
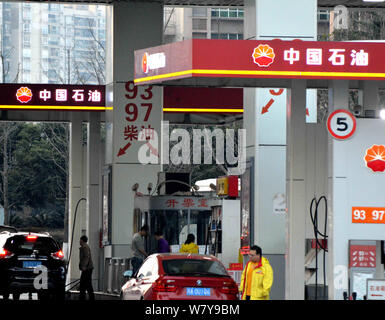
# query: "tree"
{"points": [[205, 171], [34, 173], [363, 25], [8, 131], [93, 60]]}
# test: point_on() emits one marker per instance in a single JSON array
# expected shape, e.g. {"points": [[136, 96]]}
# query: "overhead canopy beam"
{"points": [[250, 63], [225, 3]]}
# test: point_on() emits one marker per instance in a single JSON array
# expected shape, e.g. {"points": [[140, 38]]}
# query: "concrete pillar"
{"points": [[370, 98], [266, 20], [76, 193], [295, 190], [93, 192], [135, 25], [337, 192]]}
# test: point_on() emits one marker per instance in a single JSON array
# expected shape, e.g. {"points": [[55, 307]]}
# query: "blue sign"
{"points": [[198, 291]]}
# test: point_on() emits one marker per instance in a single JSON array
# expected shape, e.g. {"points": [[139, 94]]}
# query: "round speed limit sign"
{"points": [[341, 124]]}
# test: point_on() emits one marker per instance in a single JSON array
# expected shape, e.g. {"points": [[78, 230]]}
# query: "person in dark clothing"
{"points": [[86, 266], [137, 246], [163, 246]]}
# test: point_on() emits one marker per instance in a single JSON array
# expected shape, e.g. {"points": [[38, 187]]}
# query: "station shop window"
{"points": [[170, 222], [199, 220], [175, 225]]}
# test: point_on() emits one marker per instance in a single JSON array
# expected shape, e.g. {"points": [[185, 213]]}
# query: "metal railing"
{"points": [[113, 273]]}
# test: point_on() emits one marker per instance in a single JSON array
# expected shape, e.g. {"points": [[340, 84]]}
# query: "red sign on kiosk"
{"points": [[362, 256]]}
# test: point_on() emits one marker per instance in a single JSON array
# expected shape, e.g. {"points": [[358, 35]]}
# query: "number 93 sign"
{"points": [[341, 124]]}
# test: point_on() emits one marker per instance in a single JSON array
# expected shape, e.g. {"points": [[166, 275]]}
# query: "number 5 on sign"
{"points": [[368, 215], [341, 124]]}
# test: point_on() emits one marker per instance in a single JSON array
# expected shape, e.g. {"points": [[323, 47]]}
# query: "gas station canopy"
{"points": [[251, 63]]}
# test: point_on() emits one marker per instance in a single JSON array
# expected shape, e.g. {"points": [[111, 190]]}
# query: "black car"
{"points": [[31, 262]]}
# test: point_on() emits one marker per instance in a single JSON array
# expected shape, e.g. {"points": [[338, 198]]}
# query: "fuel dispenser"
{"points": [[215, 223]]}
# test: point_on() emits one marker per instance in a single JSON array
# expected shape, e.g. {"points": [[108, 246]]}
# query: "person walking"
{"points": [[86, 266], [189, 246], [138, 252], [257, 277], [163, 246]]}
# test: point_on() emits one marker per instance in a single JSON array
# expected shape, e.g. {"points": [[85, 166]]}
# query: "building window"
{"points": [[26, 28], [227, 36], [227, 13], [26, 41], [26, 65], [44, 29], [323, 15], [199, 24], [26, 77], [26, 14], [199, 35], [26, 53], [199, 12]]}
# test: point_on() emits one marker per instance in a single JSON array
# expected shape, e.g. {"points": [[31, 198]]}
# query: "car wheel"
{"points": [[43, 295], [6, 296], [59, 294], [16, 296]]}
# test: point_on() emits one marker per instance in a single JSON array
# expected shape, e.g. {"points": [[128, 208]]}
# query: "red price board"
{"points": [[368, 215], [362, 256]]}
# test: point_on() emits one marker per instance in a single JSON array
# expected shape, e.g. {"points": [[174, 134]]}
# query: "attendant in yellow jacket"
{"points": [[257, 277], [189, 246]]}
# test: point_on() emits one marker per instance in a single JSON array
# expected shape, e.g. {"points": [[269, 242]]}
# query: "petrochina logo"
{"points": [[145, 62], [375, 158], [153, 61], [24, 94], [263, 55]]}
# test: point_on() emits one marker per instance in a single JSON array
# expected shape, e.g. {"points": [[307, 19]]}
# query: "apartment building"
{"points": [[52, 43]]}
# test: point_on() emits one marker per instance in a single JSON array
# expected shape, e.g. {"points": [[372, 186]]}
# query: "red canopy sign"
{"points": [[261, 59], [53, 97]]}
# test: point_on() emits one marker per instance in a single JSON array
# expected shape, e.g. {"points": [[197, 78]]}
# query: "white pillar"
{"points": [[93, 192], [135, 25], [337, 194], [266, 132], [76, 193], [295, 190]]}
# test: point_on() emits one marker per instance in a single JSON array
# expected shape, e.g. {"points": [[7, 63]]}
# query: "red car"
{"points": [[173, 276]]}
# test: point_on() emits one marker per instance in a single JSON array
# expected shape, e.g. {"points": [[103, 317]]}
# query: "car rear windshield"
{"points": [[20, 245], [193, 266]]}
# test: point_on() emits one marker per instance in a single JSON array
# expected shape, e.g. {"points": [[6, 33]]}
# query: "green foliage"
{"points": [[204, 171], [38, 156], [363, 25]]}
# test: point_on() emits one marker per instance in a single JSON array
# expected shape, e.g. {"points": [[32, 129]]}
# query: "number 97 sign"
{"points": [[341, 124]]}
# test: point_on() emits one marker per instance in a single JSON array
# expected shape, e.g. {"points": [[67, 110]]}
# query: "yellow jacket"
{"points": [[261, 282], [189, 248]]}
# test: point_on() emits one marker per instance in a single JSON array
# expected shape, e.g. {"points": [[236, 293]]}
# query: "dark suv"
{"points": [[31, 262]]}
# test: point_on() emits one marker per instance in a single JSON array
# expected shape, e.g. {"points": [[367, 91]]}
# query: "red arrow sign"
{"points": [[267, 106], [122, 151]]}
